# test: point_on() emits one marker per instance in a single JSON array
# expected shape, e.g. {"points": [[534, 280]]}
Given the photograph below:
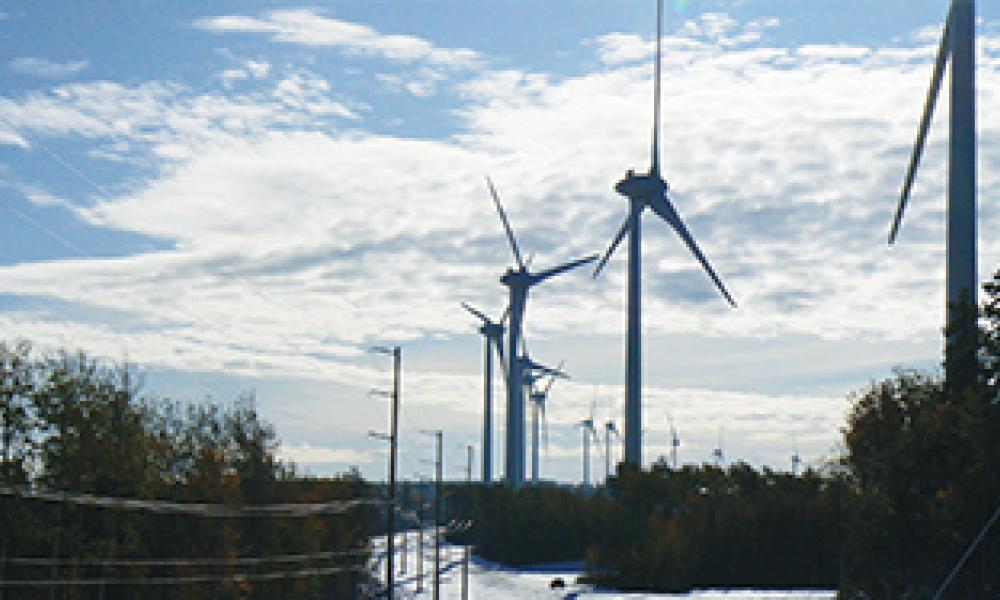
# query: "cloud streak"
{"points": [[43, 67], [309, 28]]}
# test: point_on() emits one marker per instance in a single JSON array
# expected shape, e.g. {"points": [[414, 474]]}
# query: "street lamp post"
{"points": [[438, 470], [393, 438]]}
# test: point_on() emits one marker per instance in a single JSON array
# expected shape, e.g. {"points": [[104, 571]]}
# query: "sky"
{"points": [[246, 196]]}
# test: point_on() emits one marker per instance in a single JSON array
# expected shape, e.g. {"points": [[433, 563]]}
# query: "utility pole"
{"points": [[402, 550], [396, 354], [437, 516], [468, 503], [438, 474], [420, 537]]}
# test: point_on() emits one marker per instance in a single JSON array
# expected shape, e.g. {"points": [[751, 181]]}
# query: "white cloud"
{"points": [[838, 52], [307, 27], [43, 67], [307, 454], [12, 137], [293, 244], [258, 68]]}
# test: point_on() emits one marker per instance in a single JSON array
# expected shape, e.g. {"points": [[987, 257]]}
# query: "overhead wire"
{"points": [[182, 579], [186, 562], [198, 509]]}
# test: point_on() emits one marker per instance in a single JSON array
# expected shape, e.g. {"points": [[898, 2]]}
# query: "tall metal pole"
{"points": [[633, 357], [437, 516], [514, 459], [420, 537], [403, 550], [607, 453], [393, 445], [488, 414], [397, 359], [534, 441], [962, 281], [465, 556]]}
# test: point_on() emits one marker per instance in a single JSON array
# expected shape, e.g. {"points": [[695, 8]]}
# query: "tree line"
{"points": [[890, 518], [73, 424]]}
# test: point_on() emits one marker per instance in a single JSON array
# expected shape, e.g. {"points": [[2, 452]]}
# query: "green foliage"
{"points": [[674, 530], [535, 525], [70, 423], [705, 527], [923, 457]]}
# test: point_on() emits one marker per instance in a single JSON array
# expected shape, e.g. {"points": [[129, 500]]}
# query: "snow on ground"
{"points": [[489, 581]]}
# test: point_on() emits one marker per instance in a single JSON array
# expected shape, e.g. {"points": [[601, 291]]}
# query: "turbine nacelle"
{"points": [[492, 331], [642, 188], [519, 277]]}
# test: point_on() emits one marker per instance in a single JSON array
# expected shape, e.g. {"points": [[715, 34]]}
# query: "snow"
{"points": [[489, 581]]}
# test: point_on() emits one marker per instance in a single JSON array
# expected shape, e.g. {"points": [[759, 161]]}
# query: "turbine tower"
{"points": [[587, 427], [609, 430], [958, 42], [534, 372], [643, 191], [718, 454], [675, 441], [492, 336], [518, 281]]}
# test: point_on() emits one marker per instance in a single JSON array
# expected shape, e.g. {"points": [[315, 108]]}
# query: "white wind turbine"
{"points": [[958, 43], [492, 332], [519, 280], [646, 190]]}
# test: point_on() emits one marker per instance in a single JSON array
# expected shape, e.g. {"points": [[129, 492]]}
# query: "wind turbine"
{"points": [[492, 336], [796, 462], [958, 42], [519, 280], [589, 432], [648, 190], [675, 441], [609, 430], [538, 398], [717, 453]]}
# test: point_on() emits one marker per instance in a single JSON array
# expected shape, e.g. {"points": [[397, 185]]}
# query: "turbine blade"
{"points": [[662, 207], [506, 313], [944, 50], [539, 277], [482, 317], [655, 168], [552, 378], [506, 223], [534, 366], [614, 245]]}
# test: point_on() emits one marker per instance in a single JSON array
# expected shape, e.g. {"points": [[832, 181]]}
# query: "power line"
{"points": [[180, 580], [199, 509], [49, 232], [185, 562]]}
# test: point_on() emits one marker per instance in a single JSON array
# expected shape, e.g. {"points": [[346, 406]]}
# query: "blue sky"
{"points": [[245, 195]]}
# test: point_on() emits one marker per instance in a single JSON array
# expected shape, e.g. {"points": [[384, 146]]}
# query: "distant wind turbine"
{"points": [[609, 430], [646, 190], [675, 441], [492, 336], [958, 42], [538, 397], [589, 434], [519, 280], [718, 453]]}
